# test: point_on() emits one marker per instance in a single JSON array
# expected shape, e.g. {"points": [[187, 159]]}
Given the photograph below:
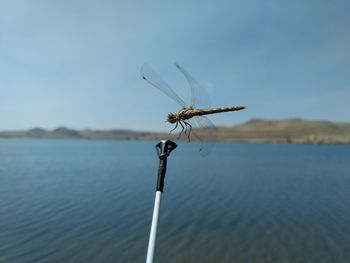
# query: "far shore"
{"points": [[254, 131]]}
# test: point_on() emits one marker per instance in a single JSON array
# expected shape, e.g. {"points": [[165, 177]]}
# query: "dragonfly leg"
{"points": [[183, 129], [177, 123], [190, 129]]}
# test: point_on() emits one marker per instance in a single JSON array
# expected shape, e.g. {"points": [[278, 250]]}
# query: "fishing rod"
{"points": [[164, 149]]}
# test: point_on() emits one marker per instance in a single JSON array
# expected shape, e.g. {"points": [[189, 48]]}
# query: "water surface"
{"points": [[92, 201]]}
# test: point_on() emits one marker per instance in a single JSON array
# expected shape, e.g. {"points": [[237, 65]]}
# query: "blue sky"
{"points": [[77, 63]]}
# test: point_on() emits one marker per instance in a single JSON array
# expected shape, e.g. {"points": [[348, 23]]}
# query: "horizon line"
{"points": [[146, 130]]}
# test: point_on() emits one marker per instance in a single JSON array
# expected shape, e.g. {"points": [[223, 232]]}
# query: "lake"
{"points": [[92, 201]]}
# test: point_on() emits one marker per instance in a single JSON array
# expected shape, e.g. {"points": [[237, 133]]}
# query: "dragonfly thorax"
{"points": [[181, 115]]}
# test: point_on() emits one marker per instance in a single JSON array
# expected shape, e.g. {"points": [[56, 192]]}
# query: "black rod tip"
{"points": [[165, 147]]}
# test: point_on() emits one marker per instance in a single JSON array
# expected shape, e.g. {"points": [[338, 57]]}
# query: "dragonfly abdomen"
{"points": [[199, 112]]}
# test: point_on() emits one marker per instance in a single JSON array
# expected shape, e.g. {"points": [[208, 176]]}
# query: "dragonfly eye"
{"points": [[172, 118]]}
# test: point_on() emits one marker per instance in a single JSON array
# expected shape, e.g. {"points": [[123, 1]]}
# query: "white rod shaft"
{"points": [[154, 226]]}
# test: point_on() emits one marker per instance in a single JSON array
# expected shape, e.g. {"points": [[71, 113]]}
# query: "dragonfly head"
{"points": [[172, 118]]}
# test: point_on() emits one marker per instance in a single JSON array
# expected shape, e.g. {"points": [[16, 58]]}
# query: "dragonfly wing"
{"points": [[148, 74], [205, 132], [199, 96]]}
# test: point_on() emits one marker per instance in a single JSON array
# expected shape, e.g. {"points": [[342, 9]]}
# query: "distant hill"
{"points": [[256, 130], [287, 131]]}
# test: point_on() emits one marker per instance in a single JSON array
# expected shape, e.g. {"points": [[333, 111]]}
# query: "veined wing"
{"points": [[148, 74], [199, 97], [204, 132]]}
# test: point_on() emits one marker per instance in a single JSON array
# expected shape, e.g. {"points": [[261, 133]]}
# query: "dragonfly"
{"points": [[188, 116]]}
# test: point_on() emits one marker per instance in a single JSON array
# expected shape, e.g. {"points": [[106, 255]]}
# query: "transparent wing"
{"points": [[205, 132], [148, 74], [199, 96]]}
